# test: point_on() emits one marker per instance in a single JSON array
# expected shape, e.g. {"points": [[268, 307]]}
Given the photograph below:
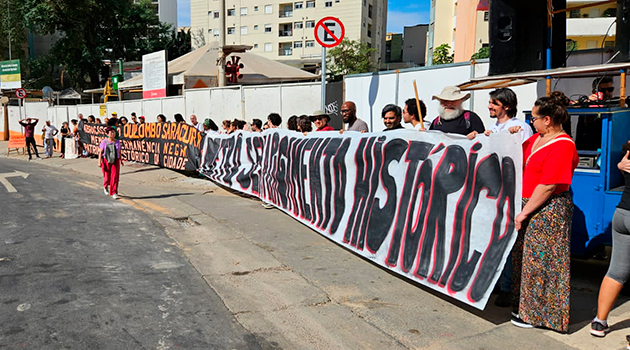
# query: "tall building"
{"points": [[414, 44], [166, 11], [459, 24], [284, 30]]}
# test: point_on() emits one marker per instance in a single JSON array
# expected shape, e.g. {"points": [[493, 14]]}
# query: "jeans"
{"points": [[30, 141], [49, 145]]}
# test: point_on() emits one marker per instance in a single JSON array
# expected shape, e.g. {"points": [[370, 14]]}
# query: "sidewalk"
{"points": [[295, 289]]}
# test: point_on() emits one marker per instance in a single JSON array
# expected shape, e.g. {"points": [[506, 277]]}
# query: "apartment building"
{"points": [[459, 24], [285, 30], [166, 11]]}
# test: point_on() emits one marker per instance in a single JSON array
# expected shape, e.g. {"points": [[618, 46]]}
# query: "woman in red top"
{"points": [[541, 255]]}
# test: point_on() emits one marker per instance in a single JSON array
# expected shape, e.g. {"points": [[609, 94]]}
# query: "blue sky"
{"points": [[400, 13]]}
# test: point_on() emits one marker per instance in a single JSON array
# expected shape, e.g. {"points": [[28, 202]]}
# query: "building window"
{"points": [[268, 47], [216, 14], [231, 12], [328, 4], [267, 28], [364, 3], [216, 32], [369, 32], [243, 30], [298, 5], [255, 26], [310, 43], [370, 11], [310, 4], [268, 9], [297, 44], [255, 8], [336, 0], [310, 24], [231, 30], [255, 46], [486, 16], [574, 14], [298, 25], [243, 11]]}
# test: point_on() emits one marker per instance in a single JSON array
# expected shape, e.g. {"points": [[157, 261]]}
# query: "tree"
{"points": [[442, 55], [96, 30], [180, 45], [12, 21], [349, 57], [483, 52]]}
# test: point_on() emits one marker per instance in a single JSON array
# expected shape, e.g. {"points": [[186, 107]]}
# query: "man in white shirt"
{"points": [[195, 123], [502, 107], [50, 131], [410, 113]]}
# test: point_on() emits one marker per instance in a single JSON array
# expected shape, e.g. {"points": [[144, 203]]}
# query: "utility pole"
{"points": [[222, 14]]}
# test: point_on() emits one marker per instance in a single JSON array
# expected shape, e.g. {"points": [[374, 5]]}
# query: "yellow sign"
{"points": [[103, 110]]}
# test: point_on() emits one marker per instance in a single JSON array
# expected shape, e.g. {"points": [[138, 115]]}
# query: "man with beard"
{"points": [[502, 107], [392, 115], [453, 118], [349, 115]]}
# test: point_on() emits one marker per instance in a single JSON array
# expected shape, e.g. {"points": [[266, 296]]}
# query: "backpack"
{"points": [[438, 121]]}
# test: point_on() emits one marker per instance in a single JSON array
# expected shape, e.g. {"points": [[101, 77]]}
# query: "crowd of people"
{"points": [[536, 280]]}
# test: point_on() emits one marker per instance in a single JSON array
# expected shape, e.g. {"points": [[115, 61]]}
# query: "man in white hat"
{"points": [[321, 120], [453, 118]]}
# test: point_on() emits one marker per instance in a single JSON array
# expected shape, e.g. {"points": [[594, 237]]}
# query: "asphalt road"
{"points": [[79, 270]]}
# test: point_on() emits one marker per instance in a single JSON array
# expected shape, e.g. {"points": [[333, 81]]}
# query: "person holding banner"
{"points": [[321, 120], [541, 255], [502, 107], [350, 120], [392, 115], [453, 117], [410, 113], [110, 162]]}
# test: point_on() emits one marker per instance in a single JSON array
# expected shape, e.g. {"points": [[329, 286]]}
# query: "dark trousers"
{"points": [[31, 141]]}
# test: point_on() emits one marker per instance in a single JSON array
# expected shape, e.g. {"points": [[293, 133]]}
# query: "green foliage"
{"points": [[180, 44], [442, 55], [483, 52], [349, 57], [96, 30], [11, 20]]}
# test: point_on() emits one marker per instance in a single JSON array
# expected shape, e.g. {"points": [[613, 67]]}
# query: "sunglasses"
{"points": [[608, 89], [318, 118]]}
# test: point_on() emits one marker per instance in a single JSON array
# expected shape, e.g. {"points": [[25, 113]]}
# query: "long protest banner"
{"points": [[169, 145], [435, 208]]}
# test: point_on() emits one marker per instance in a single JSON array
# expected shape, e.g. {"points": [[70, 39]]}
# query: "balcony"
{"points": [[590, 26], [285, 29], [285, 49], [286, 10]]}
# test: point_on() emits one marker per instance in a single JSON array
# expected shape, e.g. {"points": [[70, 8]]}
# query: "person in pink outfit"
{"points": [[110, 162]]}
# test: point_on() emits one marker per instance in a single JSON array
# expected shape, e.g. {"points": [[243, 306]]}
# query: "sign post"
{"points": [[329, 32], [10, 76], [21, 94]]}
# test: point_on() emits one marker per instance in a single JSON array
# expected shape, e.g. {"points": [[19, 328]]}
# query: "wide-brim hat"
{"points": [[319, 113], [452, 93]]}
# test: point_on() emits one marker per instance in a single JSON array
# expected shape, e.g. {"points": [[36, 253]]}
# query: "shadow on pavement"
{"points": [[168, 195]]}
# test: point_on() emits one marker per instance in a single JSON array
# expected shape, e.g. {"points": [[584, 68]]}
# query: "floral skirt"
{"points": [[541, 265]]}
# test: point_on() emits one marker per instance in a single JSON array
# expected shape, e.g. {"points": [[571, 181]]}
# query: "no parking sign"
{"points": [[329, 32]]}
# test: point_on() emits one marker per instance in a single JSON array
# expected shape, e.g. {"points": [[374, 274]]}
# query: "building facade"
{"points": [[459, 24], [284, 30], [166, 11]]}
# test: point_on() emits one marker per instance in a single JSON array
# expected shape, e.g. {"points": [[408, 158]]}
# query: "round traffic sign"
{"points": [[329, 32], [20, 93]]}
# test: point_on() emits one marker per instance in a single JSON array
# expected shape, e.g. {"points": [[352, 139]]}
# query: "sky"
{"points": [[399, 14]]}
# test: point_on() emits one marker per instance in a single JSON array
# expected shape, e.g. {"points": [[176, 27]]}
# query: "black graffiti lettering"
{"points": [[493, 256], [380, 219], [363, 158], [448, 178], [418, 151]]}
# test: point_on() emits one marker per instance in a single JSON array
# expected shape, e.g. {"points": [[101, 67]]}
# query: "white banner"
{"points": [[154, 71], [438, 209]]}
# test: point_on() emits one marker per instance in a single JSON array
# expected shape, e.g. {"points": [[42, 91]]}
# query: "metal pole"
{"points": [[323, 78], [120, 74], [222, 33], [9, 27], [6, 122]]}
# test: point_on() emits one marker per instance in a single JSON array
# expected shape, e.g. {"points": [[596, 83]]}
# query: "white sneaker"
{"points": [[106, 191], [115, 196]]}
